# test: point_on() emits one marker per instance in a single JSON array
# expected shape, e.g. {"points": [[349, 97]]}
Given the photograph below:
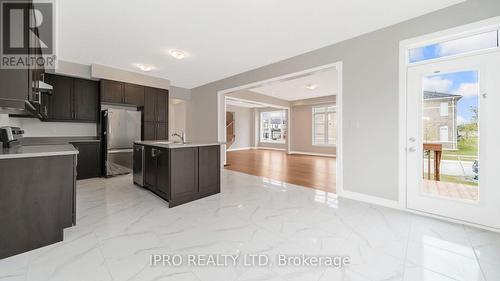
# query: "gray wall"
{"points": [[370, 105], [243, 126], [180, 93]]}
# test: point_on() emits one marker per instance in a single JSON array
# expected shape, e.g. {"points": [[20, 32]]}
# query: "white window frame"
{"points": [[441, 129], [444, 110], [313, 115], [261, 139], [450, 39]]}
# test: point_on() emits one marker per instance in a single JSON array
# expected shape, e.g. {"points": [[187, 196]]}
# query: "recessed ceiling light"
{"points": [[311, 86], [178, 54], [145, 67]]}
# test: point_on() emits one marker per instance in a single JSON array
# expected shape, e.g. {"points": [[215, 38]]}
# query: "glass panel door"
{"points": [[452, 115]]}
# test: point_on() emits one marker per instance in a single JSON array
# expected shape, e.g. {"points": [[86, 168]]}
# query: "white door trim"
{"points": [[337, 66], [404, 47]]}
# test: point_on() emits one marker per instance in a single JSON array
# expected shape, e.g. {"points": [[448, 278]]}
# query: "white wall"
{"points": [[177, 116], [243, 127], [35, 128], [370, 94]]}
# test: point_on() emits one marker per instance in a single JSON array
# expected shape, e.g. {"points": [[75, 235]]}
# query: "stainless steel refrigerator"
{"points": [[120, 129]]}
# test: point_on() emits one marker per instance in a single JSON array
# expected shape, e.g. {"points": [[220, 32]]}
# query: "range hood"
{"points": [[18, 107], [26, 107], [44, 88]]}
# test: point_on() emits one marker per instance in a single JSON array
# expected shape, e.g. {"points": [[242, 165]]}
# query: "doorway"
{"points": [[295, 129], [452, 145]]}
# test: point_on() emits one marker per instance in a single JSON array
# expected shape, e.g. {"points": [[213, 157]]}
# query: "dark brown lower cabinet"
{"points": [[181, 175], [37, 201], [184, 170], [156, 170], [150, 167], [163, 171], [209, 169], [89, 160]]}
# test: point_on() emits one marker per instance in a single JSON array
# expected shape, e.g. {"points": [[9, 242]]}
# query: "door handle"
{"points": [[412, 149]]}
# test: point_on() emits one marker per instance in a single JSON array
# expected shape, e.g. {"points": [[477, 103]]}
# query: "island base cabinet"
{"points": [[183, 174], [209, 170], [184, 179], [36, 202]]}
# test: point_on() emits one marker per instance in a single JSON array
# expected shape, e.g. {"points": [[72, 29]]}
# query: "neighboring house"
{"points": [[440, 119]]}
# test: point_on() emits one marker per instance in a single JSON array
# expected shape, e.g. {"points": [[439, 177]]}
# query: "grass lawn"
{"points": [[467, 150]]}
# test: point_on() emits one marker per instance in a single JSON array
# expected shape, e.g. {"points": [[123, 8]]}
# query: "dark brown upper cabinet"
{"points": [[72, 99], [149, 131], [133, 94], [111, 91], [162, 105], [86, 100], [60, 105], [122, 93], [155, 131], [156, 105], [150, 105]]}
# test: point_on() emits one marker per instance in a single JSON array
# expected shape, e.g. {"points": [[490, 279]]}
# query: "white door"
{"points": [[468, 185]]}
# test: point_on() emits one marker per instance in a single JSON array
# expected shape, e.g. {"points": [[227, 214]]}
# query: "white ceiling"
{"points": [[222, 37], [295, 89]]}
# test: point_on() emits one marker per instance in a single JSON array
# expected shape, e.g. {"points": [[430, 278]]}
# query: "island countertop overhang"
{"points": [[170, 144]]}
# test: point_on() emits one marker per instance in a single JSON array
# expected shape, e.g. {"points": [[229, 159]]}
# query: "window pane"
{"points": [[443, 109], [273, 126], [455, 47], [456, 135], [319, 109]]}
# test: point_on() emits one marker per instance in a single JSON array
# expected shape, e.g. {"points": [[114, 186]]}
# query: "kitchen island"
{"points": [[37, 196], [178, 172]]}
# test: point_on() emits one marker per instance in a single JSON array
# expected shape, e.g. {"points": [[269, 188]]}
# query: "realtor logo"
{"points": [[27, 34]]}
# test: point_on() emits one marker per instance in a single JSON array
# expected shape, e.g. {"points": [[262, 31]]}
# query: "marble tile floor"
{"points": [[119, 227]]}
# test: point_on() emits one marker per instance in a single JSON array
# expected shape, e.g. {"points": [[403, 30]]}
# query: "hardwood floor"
{"points": [[309, 171]]}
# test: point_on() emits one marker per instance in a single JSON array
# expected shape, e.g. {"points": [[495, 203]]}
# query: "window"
{"points": [[273, 126], [324, 125], [443, 109], [459, 46], [443, 133]]}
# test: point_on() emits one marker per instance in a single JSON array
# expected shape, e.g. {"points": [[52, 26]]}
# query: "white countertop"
{"points": [[37, 151], [170, 144]]}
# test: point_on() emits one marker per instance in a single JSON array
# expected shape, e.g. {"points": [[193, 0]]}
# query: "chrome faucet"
{"points": [[182, 136]]}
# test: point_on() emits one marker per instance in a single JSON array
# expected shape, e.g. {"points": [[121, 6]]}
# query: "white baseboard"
{"points": [[269, 148], [370, 199], [312, 154], [241, 148]]}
